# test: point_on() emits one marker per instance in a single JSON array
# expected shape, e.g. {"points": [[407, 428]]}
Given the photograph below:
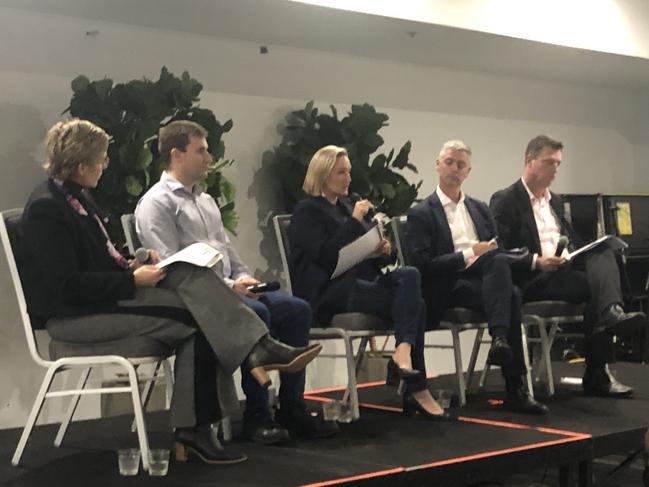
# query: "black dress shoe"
{"points": [[500, 352], [411, 407], [398, 374], [261, 428], [618, 322], [598, 381], [519, 401], [304, 424], [269, 354], [202, 444]]}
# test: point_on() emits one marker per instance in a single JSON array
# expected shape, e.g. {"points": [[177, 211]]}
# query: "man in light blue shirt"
{"points": [[176, 213]]}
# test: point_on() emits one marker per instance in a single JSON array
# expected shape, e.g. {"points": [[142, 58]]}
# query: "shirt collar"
{"points": [[547, 196], [445, 200], [174, 185]]}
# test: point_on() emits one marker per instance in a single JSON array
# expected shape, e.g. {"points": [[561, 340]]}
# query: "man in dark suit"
{"points": [[529, 214], [451, 240]]}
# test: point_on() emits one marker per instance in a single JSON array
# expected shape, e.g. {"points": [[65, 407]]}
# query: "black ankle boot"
{"points": [[269, 354], [201, 442]]}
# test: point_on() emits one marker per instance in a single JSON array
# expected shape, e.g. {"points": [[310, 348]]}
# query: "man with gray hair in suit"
{"points": [[451, 239]]}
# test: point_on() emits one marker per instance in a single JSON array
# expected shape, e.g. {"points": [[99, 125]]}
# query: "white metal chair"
{"points": [[457, 320], [127, 354], [547, 316], [344, 326]]}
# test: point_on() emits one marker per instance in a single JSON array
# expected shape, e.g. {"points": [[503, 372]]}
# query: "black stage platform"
{"points": [[383, 448]]}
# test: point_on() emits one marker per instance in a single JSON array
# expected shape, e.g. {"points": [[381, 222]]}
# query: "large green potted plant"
{"points": [[377, 176], [132, 113]]}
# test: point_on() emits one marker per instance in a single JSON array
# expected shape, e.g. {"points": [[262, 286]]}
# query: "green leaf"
{"points": [[80, 83], [379, 162], [387, 190], [144, 158], [230, 221], [133, 186], [102, 87], [228, 190], [402, 158]]}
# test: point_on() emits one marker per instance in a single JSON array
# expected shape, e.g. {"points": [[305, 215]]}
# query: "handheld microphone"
{"points": [[143, 256], [263, 287], [561, 245], [355, 198]]}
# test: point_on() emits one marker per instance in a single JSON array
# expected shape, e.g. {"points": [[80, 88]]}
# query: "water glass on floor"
{"points": [[346, 413], [443, 397], [129, 461], [158, 462], [331, 410]]}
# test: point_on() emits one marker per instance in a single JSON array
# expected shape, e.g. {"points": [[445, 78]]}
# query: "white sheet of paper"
{"points": [[358, 250], [198, 254], [612, 241]]}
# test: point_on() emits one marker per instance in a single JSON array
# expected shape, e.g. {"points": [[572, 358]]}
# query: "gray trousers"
{"points": [[229, 325]]}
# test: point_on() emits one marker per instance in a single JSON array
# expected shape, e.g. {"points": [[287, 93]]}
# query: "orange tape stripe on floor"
{"points": [[554, 431], [494, 453], [358, 386], [370, 475], [342, 388]]}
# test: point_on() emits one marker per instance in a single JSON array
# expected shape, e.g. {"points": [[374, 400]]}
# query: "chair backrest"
{"points": [[281, 223], [128, 226], [399, 228], [11, 236]]}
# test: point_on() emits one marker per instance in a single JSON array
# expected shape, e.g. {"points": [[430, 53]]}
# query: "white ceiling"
{"points": [[281, 22]]}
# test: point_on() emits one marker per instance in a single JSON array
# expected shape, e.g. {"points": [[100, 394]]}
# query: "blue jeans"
{"points": [[396, 296], [288, 320]]}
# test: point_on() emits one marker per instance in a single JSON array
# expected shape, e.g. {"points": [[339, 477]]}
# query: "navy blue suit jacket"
{"points": [[512, 210], [317, 232], [430, 248]]}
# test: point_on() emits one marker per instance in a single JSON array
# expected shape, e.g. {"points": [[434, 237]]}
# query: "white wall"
{"points": [[40, 54]]}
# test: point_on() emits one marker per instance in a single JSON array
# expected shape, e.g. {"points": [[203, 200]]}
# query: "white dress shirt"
{"points": [[169, 217], [547, 223], [462, 227]]}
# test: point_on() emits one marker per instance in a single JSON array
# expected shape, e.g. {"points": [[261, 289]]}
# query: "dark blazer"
{"points": [[317, 232], [430, 248], [514, 216], [65, 265]]}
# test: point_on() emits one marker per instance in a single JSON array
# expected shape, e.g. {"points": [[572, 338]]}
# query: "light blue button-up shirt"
{"points": [[169, 217]]}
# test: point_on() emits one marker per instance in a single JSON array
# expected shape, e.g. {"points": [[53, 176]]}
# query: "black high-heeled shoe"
{"points": [[396, 375], [411, 407], [269, 354], [200, 442]]}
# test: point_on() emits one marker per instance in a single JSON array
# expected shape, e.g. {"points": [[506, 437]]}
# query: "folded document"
{"points": [[199, 254]]}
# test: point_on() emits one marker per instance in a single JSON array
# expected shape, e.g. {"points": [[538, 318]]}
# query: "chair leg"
{"points": [[169, 381], [474, 356], [545, 358], [226, 427], [351, 390], [358, 359], [72, 407], [147, 390], [484, 375], [526, 361], [459, 369], [362, 346], [139, 415], [33, 415]]}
